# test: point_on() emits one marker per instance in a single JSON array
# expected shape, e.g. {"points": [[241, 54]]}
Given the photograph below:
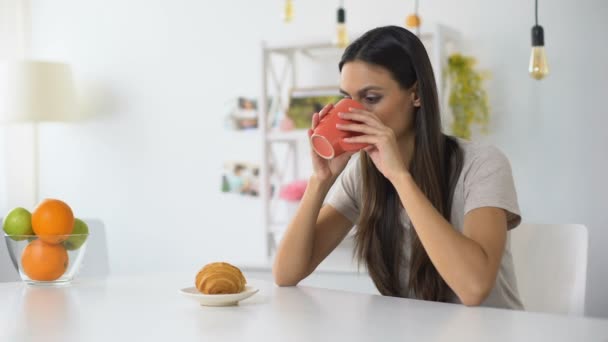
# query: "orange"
{"points": [[53, 221], [43, 261]]}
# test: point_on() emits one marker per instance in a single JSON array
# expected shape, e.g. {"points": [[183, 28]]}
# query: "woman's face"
{"points": [[375, 88]]}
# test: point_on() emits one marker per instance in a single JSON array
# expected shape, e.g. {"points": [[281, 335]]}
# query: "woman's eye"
{"points": [[372, 99]]}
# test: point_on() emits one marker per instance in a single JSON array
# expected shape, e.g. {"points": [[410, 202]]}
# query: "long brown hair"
{"points": [[436, 165]]}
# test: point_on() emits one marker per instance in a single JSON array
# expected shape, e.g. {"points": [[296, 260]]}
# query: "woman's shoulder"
{"points": [[487, 180], [476, 154]]}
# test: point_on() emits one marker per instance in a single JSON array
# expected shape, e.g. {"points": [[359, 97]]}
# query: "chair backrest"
{"points": [[96, 262], [550, 263]]}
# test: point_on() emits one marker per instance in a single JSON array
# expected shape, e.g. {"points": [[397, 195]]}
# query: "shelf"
{"points": [[254, 132], [287, 136], [309, 46]]}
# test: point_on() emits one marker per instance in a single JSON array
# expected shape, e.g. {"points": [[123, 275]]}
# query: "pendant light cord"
{"points": [[416, 7], [536, 11]]}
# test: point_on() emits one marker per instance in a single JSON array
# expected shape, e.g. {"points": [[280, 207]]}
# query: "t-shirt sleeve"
{"points": [[344, 195], [489, 183]]}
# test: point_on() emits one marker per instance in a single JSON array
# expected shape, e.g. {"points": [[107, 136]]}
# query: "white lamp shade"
{"points": [[37, 91]]}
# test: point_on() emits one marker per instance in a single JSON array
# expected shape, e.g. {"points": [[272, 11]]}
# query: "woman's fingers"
{"points": [[363, 139], [381, 138], [325, 110], [364, 117], [359, 128], [362, 111], [315, 120]]}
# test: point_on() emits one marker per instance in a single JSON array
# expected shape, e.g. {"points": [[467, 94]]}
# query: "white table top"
{"points": [[150, 308]]}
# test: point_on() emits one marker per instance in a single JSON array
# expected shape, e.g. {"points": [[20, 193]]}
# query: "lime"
{"points": [[18, 222], [78, 237]]}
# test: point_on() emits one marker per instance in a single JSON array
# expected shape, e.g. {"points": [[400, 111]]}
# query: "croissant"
{"points": [[220, 278]]}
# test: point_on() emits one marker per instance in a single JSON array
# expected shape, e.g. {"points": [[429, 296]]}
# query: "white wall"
{"points": [[149, 166]]}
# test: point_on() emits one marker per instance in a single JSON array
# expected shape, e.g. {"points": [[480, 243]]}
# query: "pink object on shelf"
{"points": [[293, 191], [287, 124]]}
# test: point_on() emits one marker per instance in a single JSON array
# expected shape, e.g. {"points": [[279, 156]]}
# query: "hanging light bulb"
{"points": [[288, 13], [341, 32], [413, 21], [538, 59]]}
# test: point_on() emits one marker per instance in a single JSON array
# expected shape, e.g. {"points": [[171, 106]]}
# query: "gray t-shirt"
{"points": [[485, 181]]}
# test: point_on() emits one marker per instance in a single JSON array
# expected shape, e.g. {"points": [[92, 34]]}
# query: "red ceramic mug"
{"points": [[327, 139]]}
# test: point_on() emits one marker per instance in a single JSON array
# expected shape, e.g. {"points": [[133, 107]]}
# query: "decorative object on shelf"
{"points": [[538, 68], [342, 39], [293, 191], [304, 102], [413, 20], [241, 178], [287, 124], [243, 114], [288, 11], [468, 100]]}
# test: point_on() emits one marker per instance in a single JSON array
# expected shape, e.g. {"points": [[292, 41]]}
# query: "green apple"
{"points": [[18, 222], [78, 237]]}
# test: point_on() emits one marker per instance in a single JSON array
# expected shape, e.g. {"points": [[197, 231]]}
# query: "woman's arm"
{"points": [[467, 261], [314, 231], [312, 234]]}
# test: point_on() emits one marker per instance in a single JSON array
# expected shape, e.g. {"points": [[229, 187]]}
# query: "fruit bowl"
{"points": [[47, 260], [46, 245]]}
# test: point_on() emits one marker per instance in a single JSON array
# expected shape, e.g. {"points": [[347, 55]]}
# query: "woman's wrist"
{"points": [[402, 177], [321, 185]]}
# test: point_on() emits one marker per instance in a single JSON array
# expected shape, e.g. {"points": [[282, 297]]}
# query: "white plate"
{"points": [[218, 299]]}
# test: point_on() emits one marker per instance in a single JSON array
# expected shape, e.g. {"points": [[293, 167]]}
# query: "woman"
{"points": [[432, 212]]}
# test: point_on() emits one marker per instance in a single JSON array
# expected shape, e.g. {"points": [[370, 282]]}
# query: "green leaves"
{"points": [[468, 99]]}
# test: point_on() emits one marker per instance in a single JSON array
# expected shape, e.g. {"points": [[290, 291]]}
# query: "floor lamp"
{"points": [[35, 92]]}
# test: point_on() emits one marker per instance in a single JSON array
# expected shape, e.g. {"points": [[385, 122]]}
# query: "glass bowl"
{"points": [[47, 260]]}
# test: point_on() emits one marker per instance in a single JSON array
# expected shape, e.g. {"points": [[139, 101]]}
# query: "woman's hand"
{"points": [[383, 149], [326, 170]]}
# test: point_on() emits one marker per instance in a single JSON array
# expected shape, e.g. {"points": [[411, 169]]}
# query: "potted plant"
{"points": [[467, 98]]}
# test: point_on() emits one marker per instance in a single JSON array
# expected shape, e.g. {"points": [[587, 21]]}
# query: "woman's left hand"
{"points": [[383, 149]]}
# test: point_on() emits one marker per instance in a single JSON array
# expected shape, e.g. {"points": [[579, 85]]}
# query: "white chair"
{"points": [[551, 266], [96, 262]]}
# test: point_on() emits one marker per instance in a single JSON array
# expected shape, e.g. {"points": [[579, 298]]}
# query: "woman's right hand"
{"points": [[326, 170]]}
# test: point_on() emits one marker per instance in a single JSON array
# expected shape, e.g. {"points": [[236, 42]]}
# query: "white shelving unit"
{"points": [[280, 152], [295, 135]]}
